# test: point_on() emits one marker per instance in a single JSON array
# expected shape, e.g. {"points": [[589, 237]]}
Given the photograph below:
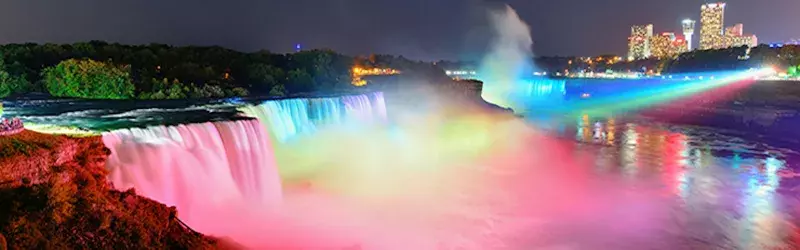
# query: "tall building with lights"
{"points": [[735, 37], [738, 41], [639, 42], [688, 32], [712, 34], [680, 45], [735, 30], [712, 19], [667, 45]]}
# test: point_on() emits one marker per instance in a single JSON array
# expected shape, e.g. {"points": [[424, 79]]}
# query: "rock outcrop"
{"points": [[55, 195]]}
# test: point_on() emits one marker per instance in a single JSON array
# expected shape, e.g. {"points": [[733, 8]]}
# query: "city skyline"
{"points": [[714, 34], [644, 43], [420, 29]]}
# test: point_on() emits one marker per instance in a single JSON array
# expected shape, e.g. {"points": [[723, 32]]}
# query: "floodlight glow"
{"points": [[621, 97]]}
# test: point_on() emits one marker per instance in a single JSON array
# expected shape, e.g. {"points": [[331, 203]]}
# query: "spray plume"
{"points": [[509, 59]]}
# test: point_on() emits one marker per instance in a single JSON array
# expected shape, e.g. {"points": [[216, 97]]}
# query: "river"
{"points": [[718, 188], [710, 184]]}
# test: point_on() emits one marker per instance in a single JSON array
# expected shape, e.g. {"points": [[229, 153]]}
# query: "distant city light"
{"points": [[460, 72], [359, 72]]}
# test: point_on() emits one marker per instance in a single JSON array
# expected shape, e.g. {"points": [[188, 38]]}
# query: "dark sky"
{"points": [[421, 29]]}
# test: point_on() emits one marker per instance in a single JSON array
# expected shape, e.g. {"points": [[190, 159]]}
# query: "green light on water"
{"points": [[637, 100]]}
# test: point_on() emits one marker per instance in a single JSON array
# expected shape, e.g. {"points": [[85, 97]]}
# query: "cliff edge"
{"points": [[55, 195]]}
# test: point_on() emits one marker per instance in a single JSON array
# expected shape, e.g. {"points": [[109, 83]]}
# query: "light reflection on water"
{"points": [[727, 192]]}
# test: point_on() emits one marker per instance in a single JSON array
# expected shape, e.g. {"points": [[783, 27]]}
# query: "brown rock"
{"points": [[57, 197]]}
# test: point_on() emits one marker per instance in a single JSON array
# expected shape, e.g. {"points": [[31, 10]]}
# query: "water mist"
{"points": [[508, 61]]}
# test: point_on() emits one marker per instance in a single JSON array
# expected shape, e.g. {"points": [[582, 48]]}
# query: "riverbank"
{"points": [[55, 196]]}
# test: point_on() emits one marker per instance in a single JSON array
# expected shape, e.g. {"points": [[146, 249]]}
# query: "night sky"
{"points": [[420, 29]]}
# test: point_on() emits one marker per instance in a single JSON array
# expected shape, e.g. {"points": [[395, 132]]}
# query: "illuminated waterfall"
{"points": [[196, 167], [364, 107], [542, 93], [223, 176], [325, 111], [288, 118]]}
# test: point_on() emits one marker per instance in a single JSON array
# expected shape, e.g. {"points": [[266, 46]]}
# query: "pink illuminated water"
{"points": [[198, 167], [467, 181], [375, 191]]}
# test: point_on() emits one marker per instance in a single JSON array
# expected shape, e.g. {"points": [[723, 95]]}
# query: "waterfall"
{"points": [[223, 176], [325, 111], [286, 118], [365, 108], [289, 118], [380, 105], [196, 167]]}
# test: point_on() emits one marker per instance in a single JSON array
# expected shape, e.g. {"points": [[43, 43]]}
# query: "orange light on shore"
{"points": [[359, 72], [374, 71]]}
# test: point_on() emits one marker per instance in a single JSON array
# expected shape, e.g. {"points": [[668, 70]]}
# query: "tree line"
{"points": [[104, 70]]}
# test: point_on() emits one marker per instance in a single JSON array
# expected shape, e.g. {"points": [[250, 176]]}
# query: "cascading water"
{"points": [[289, 118], [325, 111], [286, 118], [380, 105], [358, 106], [223, 176], [197, 167], [297, 109]]}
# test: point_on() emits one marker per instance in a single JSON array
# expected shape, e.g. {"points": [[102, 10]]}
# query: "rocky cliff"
{"points": [[55, 195]]}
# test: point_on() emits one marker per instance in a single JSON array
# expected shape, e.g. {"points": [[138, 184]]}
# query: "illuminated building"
{"points": [[738, 41], [359, 73], [712, 18], [735, 30], [688, 32], [667, 45], [661, 45], [712, 35], [643, 44], [680, 45], [734, 37], [639, 42]]}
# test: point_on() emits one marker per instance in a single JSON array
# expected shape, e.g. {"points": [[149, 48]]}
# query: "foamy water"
{"points": [[469, 181]]}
